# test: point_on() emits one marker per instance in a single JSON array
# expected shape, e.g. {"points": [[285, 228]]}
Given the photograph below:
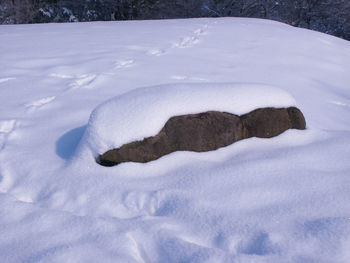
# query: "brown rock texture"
{"points": [[206, 131]]}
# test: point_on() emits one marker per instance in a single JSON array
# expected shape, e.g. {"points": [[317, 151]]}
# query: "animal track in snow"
{"points": [[80, 81], [155, 52], [190, 41], [83, 81], [187, 42], [120, 64], [200, 31], [6, 127], [5, 79], [41, 102]]}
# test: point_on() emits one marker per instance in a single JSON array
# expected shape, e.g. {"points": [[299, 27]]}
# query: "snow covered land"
{"points": [[283, 199]]}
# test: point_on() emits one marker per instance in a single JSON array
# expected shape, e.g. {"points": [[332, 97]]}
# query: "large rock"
{"points": [[270, 122], [206, 132], [193, 132]]}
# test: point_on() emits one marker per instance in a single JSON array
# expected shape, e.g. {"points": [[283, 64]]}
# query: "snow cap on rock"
{"points": [[143, 112]]}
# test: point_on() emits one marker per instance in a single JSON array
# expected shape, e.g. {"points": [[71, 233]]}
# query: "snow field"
{"points": [[283, 199]]}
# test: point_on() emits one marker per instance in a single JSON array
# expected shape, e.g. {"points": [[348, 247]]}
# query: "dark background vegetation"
{"points": [[328, 16]]}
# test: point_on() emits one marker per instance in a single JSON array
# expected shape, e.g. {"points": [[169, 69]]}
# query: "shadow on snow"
{"points": [[68, 142]]}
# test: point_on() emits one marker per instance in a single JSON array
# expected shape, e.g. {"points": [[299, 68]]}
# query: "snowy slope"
{"points": [[284, 199]]}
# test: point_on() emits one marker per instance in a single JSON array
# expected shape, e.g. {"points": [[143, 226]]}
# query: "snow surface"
{"points": [[143, 112], [284, 199]]}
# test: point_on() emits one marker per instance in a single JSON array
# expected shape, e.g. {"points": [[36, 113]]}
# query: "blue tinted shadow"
{"points": [[68, 142]]}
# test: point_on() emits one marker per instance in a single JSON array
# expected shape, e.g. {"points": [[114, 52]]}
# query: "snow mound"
{"points": [[143, 112]]}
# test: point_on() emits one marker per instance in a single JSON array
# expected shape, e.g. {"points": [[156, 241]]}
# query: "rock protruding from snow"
{"points": [[270, 122], [206, 132], [143, 112]]}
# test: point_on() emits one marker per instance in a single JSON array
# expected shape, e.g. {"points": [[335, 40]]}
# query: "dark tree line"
{"points": [[329, 16]]}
